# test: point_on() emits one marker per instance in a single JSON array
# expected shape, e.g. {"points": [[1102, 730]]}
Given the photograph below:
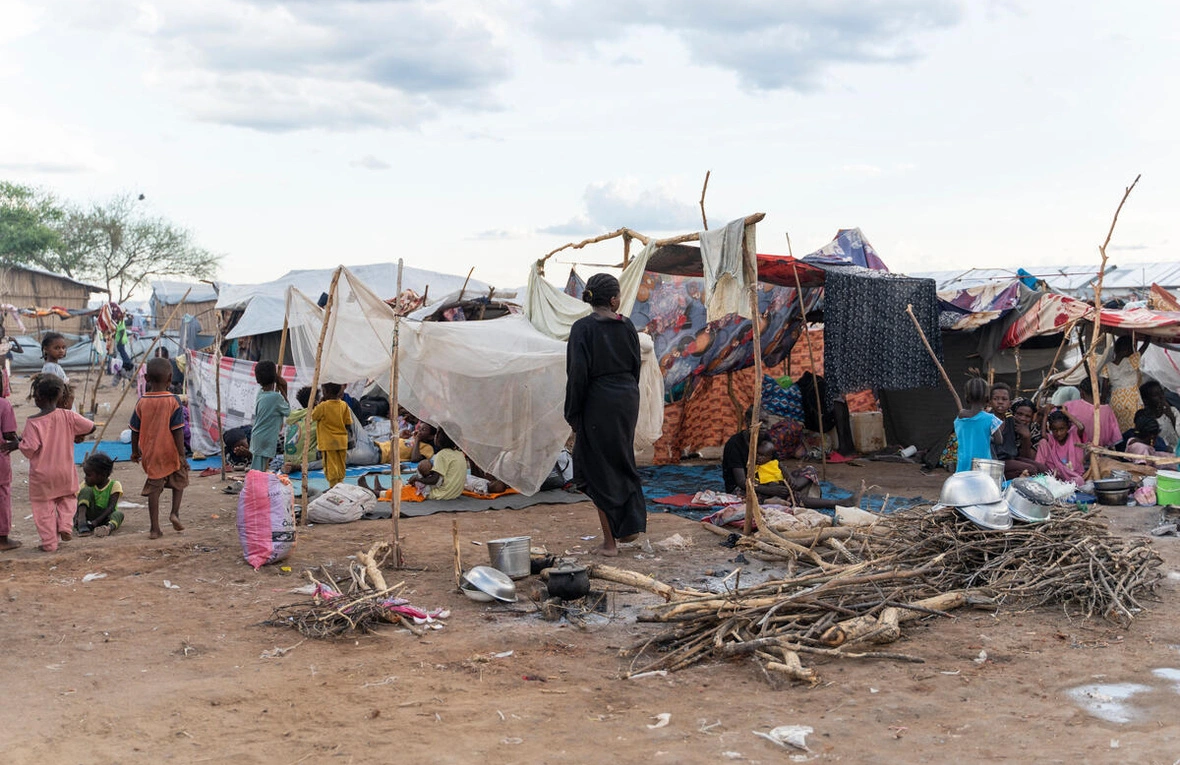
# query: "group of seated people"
{"points": [[441, 469], [1051, 437]]}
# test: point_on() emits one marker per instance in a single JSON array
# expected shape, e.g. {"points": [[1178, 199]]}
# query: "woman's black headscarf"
{"points": [[600, 289]]}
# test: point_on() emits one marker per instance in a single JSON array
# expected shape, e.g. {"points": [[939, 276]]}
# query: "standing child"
{"points": [[270, 411], [48, 443], [332, 418], [976, 429], [98, 500], [53, 350], [157, 443], [9, 444]]}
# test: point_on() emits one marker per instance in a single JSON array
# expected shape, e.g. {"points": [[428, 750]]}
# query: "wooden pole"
{"points": [[909, 309], [315, 386], [217, 390], [147, 355], [461, 290], [1016, 355], [283, 337], [750, 266], [819, 404], [1092, 355], [704, 188], [395, 472]]}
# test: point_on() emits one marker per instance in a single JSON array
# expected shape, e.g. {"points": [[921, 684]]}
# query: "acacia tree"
{"points": [[116, 245], [29, 220]]}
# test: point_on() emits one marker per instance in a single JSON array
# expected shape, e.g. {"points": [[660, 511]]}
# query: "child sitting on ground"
{"points": [[157, 443], [332, 419], [48, 443], [445, 475], [1061, 451], [98, 500], [270, 410], [976, 429], [1143, 438]]}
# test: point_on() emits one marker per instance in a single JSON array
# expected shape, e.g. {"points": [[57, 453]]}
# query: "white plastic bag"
{"points": [[343, 503]]}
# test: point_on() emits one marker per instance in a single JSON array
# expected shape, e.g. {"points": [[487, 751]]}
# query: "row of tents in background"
{"points": [[1005, 324]]}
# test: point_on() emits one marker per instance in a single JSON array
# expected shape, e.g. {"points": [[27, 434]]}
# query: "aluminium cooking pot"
{"points": [[1028, 500]]}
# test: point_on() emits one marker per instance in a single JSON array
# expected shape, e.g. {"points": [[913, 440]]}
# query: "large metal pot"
{"points": [[569, 583]]}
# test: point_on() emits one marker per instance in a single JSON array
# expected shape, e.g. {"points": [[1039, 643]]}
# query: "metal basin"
{"points": [[969, 487], [491, 582]]}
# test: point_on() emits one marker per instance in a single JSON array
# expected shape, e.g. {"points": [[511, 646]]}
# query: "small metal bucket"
{"points": [[510, 555], [994, 468]]}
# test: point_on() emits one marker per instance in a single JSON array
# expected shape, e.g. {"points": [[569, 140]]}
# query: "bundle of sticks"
{"points": [[336, 611], [849, 588]]}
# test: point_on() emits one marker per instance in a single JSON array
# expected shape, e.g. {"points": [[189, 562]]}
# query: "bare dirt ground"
{"points": [[125, 670]]}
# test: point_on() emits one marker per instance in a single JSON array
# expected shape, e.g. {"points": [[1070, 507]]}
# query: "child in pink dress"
{"points": [[48, 443], [9, 444]]}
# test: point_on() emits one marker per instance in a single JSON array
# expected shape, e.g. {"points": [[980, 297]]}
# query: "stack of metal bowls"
{"points": [[1028, 500], [976, 497], [485, 584]]}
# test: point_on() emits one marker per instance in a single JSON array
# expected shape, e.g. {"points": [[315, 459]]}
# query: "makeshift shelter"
{"points": [[690, 300], [200, 303], [47, 301], [256, 311]]}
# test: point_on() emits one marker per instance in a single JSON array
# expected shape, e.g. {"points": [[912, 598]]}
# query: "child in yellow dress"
{"points": [[332, 418]]}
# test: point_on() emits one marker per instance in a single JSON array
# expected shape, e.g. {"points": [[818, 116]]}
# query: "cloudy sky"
{"points": [[459, 133]]}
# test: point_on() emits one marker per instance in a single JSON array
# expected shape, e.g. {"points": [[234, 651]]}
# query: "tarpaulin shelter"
{"points": [[497, 387]]}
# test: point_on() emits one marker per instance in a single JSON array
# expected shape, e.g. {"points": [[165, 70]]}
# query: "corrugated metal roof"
{"points": [[170, 293], [63, 277]]}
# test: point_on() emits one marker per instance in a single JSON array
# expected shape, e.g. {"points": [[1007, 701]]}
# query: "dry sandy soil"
{"points": [[124, 669]]}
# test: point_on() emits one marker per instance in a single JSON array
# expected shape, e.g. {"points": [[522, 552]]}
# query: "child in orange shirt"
{"points": [[157, 444], [48, 443]]}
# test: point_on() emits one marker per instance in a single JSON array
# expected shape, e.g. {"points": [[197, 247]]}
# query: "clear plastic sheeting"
{"points": [[497, 387]]}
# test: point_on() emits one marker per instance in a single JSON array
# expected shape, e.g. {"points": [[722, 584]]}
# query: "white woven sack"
{"points": [[343, 503]]}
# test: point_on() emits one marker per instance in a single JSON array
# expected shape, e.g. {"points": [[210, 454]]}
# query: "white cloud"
{"points": [[330, 64], [627, 203], [768, 44], [371, 162]]}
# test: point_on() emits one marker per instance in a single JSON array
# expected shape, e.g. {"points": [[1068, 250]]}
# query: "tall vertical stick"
{"points": [[395, 464], [819, 404], [146, 355], [283, 337], [315, 386], [217, 390], [704, 188], [750, 267], [1092, 355]]}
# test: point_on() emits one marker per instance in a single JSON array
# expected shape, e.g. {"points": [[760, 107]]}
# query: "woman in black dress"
{"points": [[602, 407]]}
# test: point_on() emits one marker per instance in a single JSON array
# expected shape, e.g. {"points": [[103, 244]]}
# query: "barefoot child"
{"points": [[332, 418], [157, 443], [445, 475], [48, 443], [270, 411], [9, 444], [98, 500]]}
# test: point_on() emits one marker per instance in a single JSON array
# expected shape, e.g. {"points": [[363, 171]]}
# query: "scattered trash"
{"points": [[653, 673], [706, 726], [277, 652], [386, 681], [730, 542], [732, 755], [675, 542], [285, 569], [981, 658], [1165, 530], [92, 577], [502, 654], [170, 585], [950, 672], [307, 589], [533, 678], [1114, 743], [512, 741], [661, 720], [788, 735], [874, 690], [584, 539]]}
